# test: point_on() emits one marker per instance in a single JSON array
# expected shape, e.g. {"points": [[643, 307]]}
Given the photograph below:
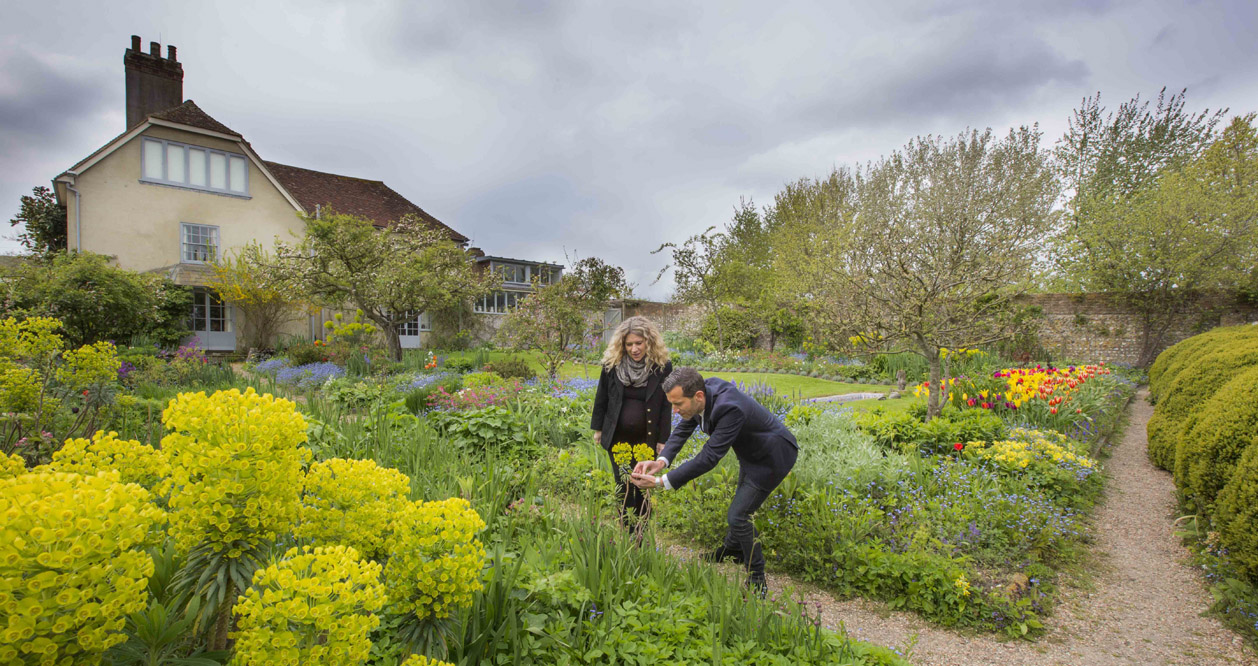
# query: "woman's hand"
{"points": [[598, 437]]}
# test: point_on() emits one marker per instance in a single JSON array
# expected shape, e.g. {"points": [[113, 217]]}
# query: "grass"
{"points": [[890, 406], [793, 385]]}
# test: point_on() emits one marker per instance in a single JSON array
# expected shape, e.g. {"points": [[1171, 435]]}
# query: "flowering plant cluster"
{"points": [[1033, 453], [435, 559], [49, 393], [72, 564], [627, 456], [312, 606], [353, 333], [309, 376], [11, 465], [136, 462], [473, 398], [421, 660], [352, 502], [236, 468]]}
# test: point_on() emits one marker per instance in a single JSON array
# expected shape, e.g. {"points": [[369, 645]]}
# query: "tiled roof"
{"points": [[371, 199], [191, 115]]}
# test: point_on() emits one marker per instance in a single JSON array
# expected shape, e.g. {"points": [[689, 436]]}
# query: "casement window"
{"points": [[182, 165], [512, 272], [548, 275], [416, 323], [499, 302], [199, 243]]}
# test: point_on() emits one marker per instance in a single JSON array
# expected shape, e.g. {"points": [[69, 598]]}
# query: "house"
{"points": [[178, 187]]}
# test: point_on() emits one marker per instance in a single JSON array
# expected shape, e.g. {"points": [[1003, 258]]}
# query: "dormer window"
{"points": [[171, 163]]}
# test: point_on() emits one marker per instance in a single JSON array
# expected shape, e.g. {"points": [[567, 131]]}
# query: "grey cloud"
{"points": [[46, 101]]}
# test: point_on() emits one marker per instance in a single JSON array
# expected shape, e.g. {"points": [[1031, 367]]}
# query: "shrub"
{"points": [[459, 364], [352, 502], [1236, 513], [489, 430], [313, 606], [97, 301], [435, 559], [1186, 393], [835, 452], [72, 564], [137, 463], [1226, 427], [484, 380], [738, 327], [906, 431], [512, 367], [1173, 360], [305, 353], [236, 463]]}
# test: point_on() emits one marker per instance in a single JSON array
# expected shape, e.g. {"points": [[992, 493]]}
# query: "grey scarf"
{"points": [[631, 372]]}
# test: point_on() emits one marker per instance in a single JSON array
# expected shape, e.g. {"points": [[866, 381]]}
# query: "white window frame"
{"points": [[208, 299], [187, 171], [421, 323], [499, 302], [184, 228]]}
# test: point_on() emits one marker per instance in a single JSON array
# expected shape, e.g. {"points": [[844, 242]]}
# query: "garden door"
{"points": [[212, 321], [411, 333]]}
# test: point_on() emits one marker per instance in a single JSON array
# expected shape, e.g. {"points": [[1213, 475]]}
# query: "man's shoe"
{"points": [[757, 585], [721, 554]]}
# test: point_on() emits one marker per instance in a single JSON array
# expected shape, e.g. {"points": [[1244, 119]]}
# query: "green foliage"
{"points": [[513, 367], [737, 327], [1160, 208], [44, 220], [390, 274], [492, 430], [417, 399], [96, 301], [306, 352], [834, 451], [907, 432], [1227, 426], [459, 364], [556, 320], [1236, 513], [1188, 391]]}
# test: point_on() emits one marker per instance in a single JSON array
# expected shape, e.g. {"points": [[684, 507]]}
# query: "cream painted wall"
{"points": [[138, 223]]}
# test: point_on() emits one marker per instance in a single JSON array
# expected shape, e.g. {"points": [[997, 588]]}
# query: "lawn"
{"points": [[798, 386]]}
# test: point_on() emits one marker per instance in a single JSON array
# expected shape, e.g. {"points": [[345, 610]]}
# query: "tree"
{"points": [[695, 265], [44, 220], [250, 281], [1162, 208], [390, 274], [555, 318], [1193, 229], [925, 250], [96, 301]]}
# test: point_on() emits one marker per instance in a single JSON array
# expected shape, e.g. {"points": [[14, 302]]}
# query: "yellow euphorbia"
{"points": [[352, 502], [72, 564]]}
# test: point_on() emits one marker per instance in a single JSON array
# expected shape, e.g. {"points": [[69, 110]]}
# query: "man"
{"points": [[766, 453]]}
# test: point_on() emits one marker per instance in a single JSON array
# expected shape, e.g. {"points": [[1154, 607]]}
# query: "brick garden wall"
{"points": [[1098, 327]]}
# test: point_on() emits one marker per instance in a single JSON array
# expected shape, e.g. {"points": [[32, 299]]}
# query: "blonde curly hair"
{"points": [[656, 352]]}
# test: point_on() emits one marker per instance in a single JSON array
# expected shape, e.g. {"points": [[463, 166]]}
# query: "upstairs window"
{"points": [[513, 273], [182, 165], [200, 243], [499, 302]]}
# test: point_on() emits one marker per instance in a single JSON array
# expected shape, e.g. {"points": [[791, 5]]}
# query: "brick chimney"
{"points": [[154, 83]]}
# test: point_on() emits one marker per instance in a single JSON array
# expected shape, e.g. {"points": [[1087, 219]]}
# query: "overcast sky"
{"points": [[591, 128]]}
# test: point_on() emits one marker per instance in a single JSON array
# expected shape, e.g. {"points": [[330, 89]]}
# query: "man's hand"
{"points": [[648, 467], [644, 481], [598, 437]]}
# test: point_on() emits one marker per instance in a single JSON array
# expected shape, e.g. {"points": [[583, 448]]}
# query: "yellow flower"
{"points": [[352, 502], [435, 560]]}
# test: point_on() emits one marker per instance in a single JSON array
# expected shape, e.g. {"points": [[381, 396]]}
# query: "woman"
{"points": [[629, 406]]}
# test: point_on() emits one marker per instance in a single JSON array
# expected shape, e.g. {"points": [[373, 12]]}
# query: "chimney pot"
{"points": [[135, 43], [170, 53], [155, 49]]}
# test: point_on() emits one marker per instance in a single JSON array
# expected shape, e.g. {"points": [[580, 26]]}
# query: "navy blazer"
{"points": [[766, 450]]}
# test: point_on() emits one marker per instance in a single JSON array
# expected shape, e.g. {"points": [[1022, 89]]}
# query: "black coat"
{"points": [[610, 397], [766, 450]]}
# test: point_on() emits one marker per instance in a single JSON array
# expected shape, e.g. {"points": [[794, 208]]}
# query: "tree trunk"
{"points": [[222, 625], [943, 384], [932, 397], [393, 341]]}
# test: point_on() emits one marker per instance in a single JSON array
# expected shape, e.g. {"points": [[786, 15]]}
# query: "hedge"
{"points": [[1226, 427]]}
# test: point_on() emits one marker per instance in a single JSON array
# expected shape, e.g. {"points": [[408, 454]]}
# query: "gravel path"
{"points": [[1143, 604]]}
